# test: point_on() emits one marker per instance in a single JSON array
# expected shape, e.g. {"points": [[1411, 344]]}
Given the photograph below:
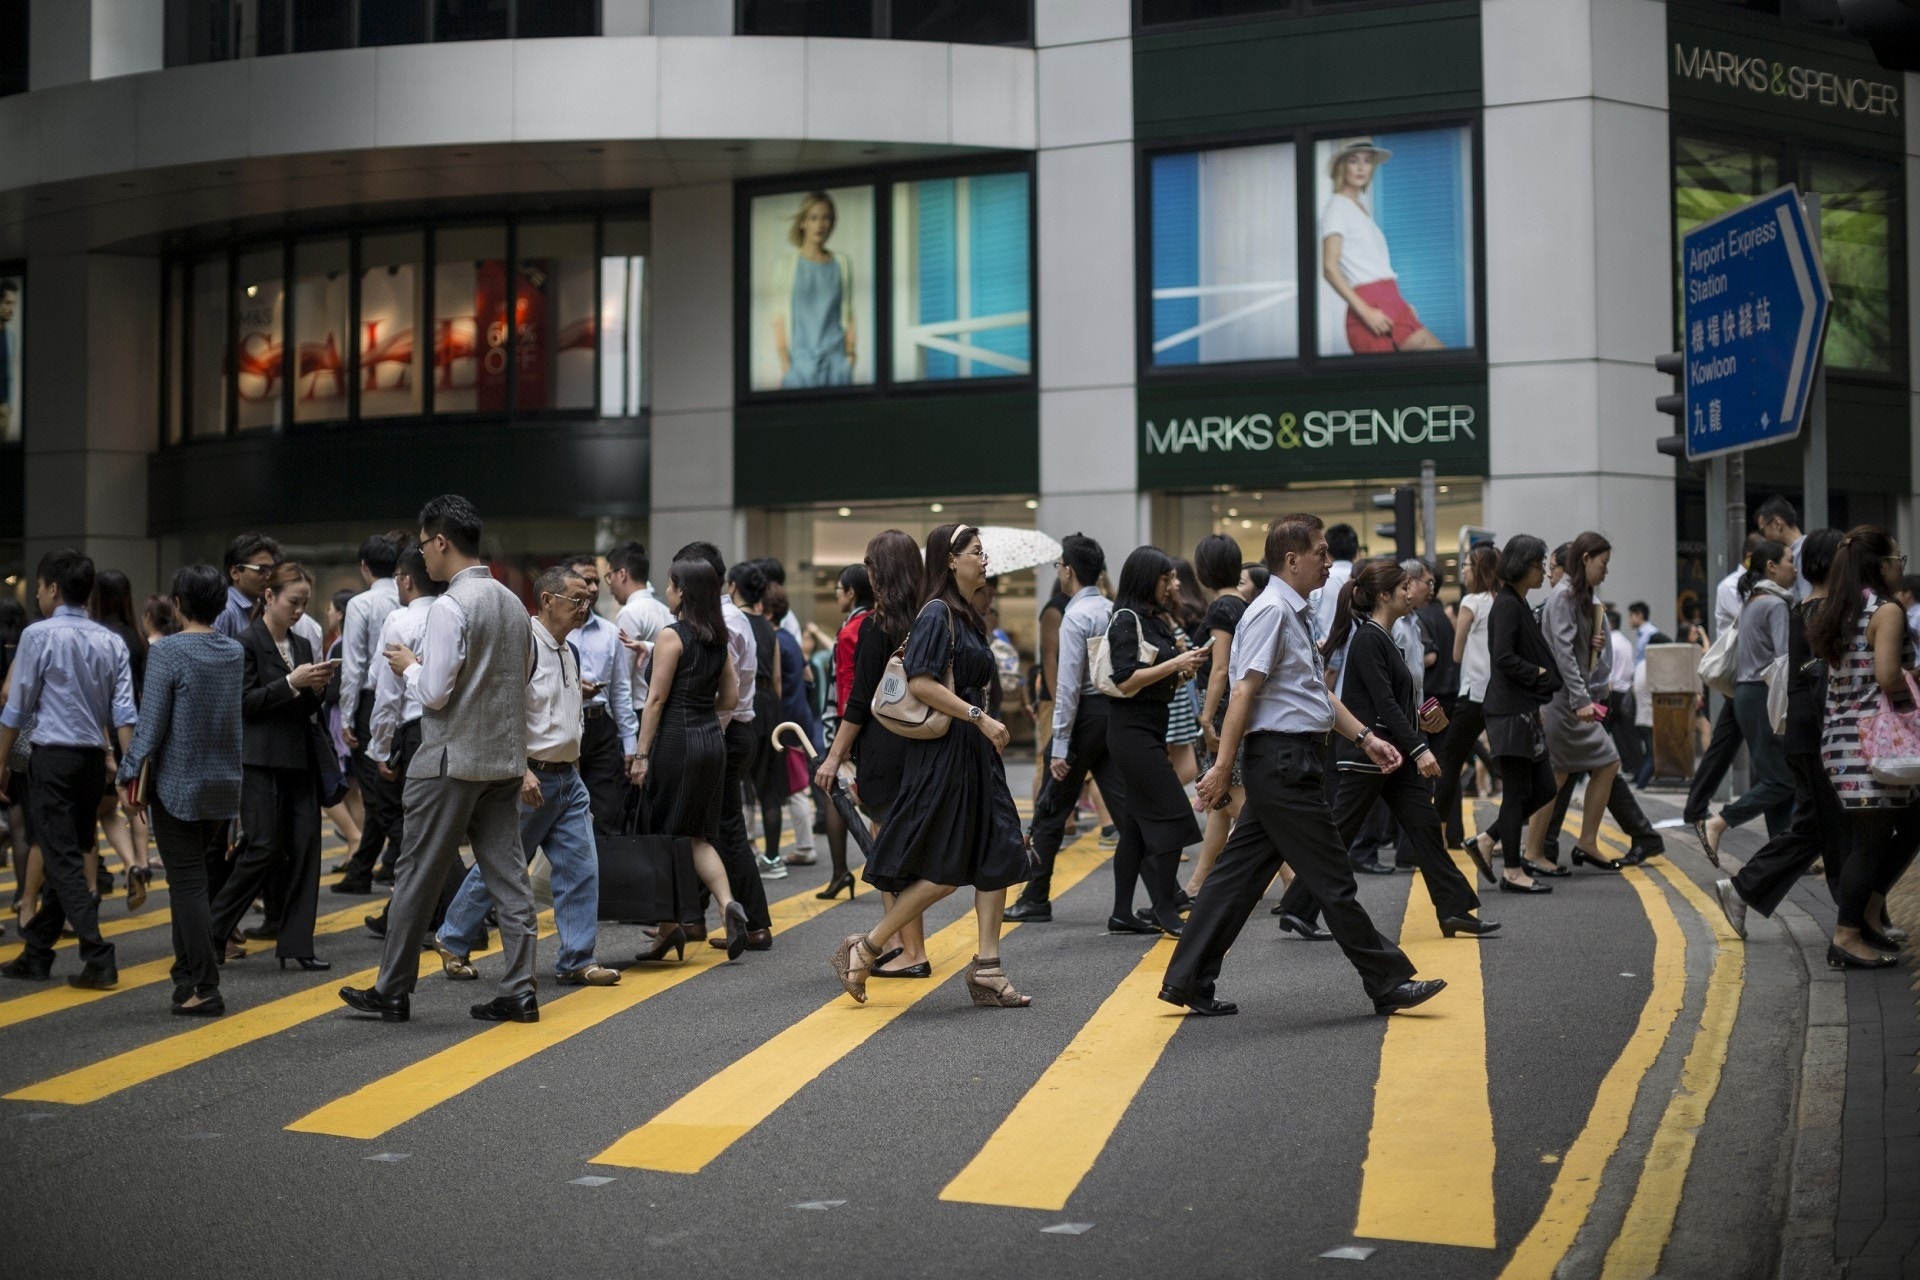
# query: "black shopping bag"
{"points": [[648, 878]]}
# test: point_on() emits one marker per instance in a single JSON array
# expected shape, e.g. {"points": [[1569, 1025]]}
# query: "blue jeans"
{"points": [[562, 824]]}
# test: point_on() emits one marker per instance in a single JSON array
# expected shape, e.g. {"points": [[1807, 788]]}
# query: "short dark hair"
{"points": [[10, 286], [1084, 556], [342, 598], [1342, 542], [747, 579], [1257, 574], [854, 578], [1639, 607], [71, 571], [1909, 584], [704, 551], [414, 565], [1521, 553], [1216, 562], [1817, 552], [776, 602], [553, 581], [199, 592], [584, 557], [1292, 535], [452, 517], [1140, 580], [379, 553], [247, 546], [1777, 508], [632, 556], [773, 569]]}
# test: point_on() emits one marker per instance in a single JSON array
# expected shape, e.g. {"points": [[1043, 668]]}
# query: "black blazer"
{"points": [[1517, 652], [277, 720], [1379, 689]]}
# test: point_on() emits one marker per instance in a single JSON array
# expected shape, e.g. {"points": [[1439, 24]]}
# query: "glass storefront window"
{"points": [[391, 355], [470, 320], [322, 24], [320, 286], [259, 351], [623, 298], [806, 18], [1858, 213], [207, 336], [961, 296], [13, 317], [385, 22], [975, 22], [1226, 276], [471, 19], [540, 18], [1155, 13], [554, 316]]}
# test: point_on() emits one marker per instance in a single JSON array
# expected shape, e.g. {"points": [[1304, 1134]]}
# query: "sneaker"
{"points": [[772, 868], [1109, 837], [1733, 905]]}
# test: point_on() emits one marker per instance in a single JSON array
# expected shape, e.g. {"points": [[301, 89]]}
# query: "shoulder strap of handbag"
{"points": [[952, 639]]}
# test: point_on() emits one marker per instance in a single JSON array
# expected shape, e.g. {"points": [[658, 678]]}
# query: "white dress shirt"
{"points": [[394, 701], [746, 661], [1325, 598], [360, 657], [1726, 603], [1475, 665], [1801, 587], [554, 698], [644, 616], [1085, 617], [603, 661], [791, 624], [1275, 640], [1620, 680], [443, 647]]}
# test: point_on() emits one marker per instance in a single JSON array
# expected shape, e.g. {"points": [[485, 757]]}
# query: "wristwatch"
{"points": [[974, 714], [1359, 739]]}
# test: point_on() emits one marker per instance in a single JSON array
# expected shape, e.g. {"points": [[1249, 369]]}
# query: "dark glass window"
{"points": [[1860, 217], [392, 22], [471, 19], [13, 46], [322, 24], [1751, 6], [197, 31], [539, 18], [964, 21], [1155, 13], [806, 17], [266, 20]]}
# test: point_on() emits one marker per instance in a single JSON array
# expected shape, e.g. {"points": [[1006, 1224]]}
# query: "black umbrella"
{"points": [[837, 793]]}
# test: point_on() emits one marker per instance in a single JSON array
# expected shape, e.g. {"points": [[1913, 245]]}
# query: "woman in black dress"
{"points": [[1233, 586], [953, 821], [1524, 677], [692, 682], [1157, 821], [893, 572]]}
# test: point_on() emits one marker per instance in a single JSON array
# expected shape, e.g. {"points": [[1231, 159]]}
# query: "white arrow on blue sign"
{"points": [[1755, 312]]}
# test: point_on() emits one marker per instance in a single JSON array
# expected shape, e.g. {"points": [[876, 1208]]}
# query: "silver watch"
{"points": [[974, 714]]}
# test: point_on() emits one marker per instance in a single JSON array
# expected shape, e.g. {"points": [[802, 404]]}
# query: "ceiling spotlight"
{"points": [[846, 511], [937, 507], [1246, 524], [253, 290], [1233, 511], [1033, 504]]}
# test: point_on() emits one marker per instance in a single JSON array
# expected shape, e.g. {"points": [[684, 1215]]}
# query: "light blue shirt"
{"points": [[237, 616], [603, 662], [1275, 641], [1085, 617], [75, 677]]}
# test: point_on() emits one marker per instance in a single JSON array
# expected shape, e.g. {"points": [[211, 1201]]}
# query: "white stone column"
{"points": [[1579, 282], [691, 350], [1089, 469], [88, 437]]}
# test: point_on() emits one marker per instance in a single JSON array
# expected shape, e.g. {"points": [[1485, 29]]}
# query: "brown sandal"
{"points": [[989, 986], [853, 959]]}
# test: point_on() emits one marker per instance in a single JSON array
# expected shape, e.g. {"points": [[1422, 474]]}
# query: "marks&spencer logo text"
{"points": [[1786, 81], [1314, 429]]}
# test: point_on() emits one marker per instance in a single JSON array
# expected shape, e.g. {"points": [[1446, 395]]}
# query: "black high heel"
{"points": [[1468, 925], [842, 881], [308, 963], [1482, 859], [1582, 858], [736, 916], [671, 937]]}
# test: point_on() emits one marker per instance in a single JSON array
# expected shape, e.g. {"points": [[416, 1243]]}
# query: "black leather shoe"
{"points": [[1839, 959], [1373, 868], [1552, 870], [262, 932], [94, 978], [376, 925], [1205, 1006], [1029, 912], [211, 1007], [22, 969], [1468, 925], [383, 875], [1409, 994], [1514, 886], [521, 1008], [1130, 924], [1644, 850], [922, 970], [1598, 861], [1291, 923], [367, 1000], [358, 886]]}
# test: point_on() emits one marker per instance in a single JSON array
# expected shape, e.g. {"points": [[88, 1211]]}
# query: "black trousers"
{"points": [[769, 772], [603, 769], [1404, 793], [1087, 756], [1286, 819], [64, 788], [1818, 829], [1884, 841], [1464, 725], [190, 848], [380, 836], [1626, 739], [280, 813], [1526, 786], [735, 850], [1722, 748]]}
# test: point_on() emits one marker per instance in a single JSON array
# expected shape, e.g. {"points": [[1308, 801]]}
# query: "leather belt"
{"points": [[552, 766], [1320, 739], [593, 711]]}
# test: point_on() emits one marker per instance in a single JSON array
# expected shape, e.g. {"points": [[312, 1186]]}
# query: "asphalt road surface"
{"points": [[1604, 1089]]}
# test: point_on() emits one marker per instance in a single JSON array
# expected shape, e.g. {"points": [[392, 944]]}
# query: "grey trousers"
{"points": [[440, 813]]}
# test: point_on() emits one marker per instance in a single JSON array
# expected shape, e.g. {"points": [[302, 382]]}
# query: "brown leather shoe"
{"points": [[757, 940]]}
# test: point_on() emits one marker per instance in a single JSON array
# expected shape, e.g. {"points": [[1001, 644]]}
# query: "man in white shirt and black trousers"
{"points": [[1281, 706], [1079, 745], [643, 615], [612, 728], [360, 664]]}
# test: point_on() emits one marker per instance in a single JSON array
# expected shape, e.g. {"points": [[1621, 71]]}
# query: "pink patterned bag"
{"points": [[1890, 739]]}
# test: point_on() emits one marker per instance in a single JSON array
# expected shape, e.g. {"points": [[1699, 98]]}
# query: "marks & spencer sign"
{"points": [[1820, 80]]}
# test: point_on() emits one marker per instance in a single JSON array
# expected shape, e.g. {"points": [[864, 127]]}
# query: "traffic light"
{"points": [[1674, 365], [1405, 529]]}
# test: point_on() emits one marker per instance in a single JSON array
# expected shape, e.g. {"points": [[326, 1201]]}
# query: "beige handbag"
{"points": [[895, 705], [1100, 657]]}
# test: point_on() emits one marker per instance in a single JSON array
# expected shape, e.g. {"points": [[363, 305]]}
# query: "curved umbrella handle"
{"points": [[799, 734]]}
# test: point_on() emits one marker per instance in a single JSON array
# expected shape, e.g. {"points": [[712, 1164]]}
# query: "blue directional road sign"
{"points": [[1755, 309]]}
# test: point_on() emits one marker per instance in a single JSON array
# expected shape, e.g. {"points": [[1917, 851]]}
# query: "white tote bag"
{"points": [[1717, 664]]}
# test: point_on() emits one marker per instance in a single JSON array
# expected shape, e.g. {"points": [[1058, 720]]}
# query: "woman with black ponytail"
{"points": [[1524, 676], [1766, 594]]}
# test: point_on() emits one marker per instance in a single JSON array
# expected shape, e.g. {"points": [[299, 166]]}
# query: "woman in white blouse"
{"points": [[1470, 651], [1355, 261]]}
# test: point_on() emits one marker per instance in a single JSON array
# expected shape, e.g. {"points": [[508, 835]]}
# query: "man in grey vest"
{"points": [[464, 780]]}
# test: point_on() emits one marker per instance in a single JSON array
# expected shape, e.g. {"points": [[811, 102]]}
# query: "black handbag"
{"points": [[644, 877]]}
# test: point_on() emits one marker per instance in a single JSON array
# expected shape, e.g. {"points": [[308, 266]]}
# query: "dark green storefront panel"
{"points": [[1867, 445], [1379, 63], [13, 492], [509, 470], [903, 447], [1275, 432], [1734, 69]]}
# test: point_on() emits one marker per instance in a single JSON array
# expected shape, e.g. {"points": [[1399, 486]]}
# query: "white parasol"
{"points": [[1010, 550]]}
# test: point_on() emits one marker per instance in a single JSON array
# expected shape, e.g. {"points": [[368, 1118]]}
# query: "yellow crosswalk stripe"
{"points": [[393, 1100], [1048, 1144], [137, 1066], [1428, 1175], [694, 1131]]}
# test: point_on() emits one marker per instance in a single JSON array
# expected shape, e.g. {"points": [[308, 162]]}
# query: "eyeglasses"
{"points": [[1899, 560], [255, 568], [578, 602]]}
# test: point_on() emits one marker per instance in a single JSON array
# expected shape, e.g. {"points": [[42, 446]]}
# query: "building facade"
{"points": [[782, 273]]}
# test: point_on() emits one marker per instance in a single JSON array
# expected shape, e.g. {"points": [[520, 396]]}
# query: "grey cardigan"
{"points": [[1763, 634]]}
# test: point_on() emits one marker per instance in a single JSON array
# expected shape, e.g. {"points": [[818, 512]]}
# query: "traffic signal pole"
{"points": [[1813, 441]]}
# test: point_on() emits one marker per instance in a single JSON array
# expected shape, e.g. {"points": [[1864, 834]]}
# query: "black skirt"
{"points": [[1156, 803], [687, 778], [1517, 735]]}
